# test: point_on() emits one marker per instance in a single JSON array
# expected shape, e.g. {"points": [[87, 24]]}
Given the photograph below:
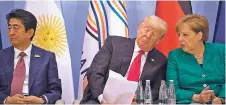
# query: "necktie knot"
{"points": [[141, 52], [135, 68], [22, 54]]}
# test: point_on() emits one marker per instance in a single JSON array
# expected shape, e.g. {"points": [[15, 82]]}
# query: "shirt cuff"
{"points": [[100, 98], [5, 100], [46, 99]]}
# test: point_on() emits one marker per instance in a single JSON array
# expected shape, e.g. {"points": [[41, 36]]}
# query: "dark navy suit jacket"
{"points": [[116, 55], [43, 74]]}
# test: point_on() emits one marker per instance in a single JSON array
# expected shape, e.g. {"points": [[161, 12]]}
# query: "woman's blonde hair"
{"points": [[197, 23]]}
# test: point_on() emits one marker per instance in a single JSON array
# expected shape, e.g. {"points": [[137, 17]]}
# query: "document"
{"points": [[118, 90]]}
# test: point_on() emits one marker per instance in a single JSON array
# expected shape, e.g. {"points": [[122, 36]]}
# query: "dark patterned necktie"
{"points": [[18, 76]]}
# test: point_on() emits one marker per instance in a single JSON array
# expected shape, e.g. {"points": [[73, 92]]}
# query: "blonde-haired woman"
{"points": [[197, 67]]}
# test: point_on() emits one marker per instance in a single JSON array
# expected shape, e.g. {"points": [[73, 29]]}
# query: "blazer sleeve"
{"points": [[222, 89], [54, 83], [172, 74], [222, 92], [99, 69]]}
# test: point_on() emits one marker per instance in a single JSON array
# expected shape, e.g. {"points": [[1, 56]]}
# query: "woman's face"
{"points": [[188, 39]]}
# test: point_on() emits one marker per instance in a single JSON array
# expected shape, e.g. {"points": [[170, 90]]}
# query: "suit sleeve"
{"points": [[172, 74], [3, 82], [54, 83], [99, 69], [2, 97]]}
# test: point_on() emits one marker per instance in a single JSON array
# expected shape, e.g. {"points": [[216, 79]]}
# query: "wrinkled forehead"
{"points": [[153, 22], [150, 24]]}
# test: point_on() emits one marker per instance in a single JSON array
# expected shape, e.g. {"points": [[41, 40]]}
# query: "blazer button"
{"points": [[204, 85], [203, 75]]}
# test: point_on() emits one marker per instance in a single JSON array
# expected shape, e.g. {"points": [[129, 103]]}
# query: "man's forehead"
{"points": [[14, 22], [149, 25]]}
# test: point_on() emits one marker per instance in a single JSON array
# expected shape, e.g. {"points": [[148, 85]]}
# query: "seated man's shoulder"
{"points": [[46, 52], [117, 38], [6, 50], [160, 55]]}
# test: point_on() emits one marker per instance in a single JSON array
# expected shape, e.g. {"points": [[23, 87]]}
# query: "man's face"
{"points": [[147, 36], [17, 33]]}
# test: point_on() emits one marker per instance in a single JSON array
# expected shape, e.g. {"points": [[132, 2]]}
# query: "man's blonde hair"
{"points": [[157, 23]]}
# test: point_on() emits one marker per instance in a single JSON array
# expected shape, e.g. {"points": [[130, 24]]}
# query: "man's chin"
{"points": [[14, 43]]}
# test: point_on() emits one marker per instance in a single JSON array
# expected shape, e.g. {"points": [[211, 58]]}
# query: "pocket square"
{"points": [[37, 56]]}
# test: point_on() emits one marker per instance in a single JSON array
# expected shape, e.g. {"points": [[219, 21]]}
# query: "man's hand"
{"points": [[215, 100], [134, 101], [16, 99], [32, 100], [103, 102], [85, 83], [205, 95]]}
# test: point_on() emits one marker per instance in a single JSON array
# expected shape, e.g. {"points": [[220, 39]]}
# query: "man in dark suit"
{"points": [[28, 74], [135, 59]]}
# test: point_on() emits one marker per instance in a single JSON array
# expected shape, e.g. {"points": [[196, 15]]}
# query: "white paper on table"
{"points": [[118, 89]]}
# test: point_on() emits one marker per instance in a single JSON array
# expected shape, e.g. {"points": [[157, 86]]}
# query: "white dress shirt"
{"points": [[27, 65], [135, 53]]}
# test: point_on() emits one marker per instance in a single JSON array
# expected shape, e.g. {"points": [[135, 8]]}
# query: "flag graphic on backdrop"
{"points": [[171, 12], [104, 18], [51, 35], [219, 33]]}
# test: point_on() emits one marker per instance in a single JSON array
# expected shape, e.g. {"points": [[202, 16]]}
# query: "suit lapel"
{"points": [[9, 61], [34, 64], [129, 48], [150, 61]]}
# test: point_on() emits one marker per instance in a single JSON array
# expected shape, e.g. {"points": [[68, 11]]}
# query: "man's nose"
{"points": [[149, 35], [11, 31]]}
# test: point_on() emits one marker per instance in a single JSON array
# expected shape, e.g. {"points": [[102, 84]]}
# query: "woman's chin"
{"points": [[185, 50]]}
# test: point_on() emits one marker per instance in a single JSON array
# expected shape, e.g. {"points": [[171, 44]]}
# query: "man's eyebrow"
{"points": [[13, 25]]}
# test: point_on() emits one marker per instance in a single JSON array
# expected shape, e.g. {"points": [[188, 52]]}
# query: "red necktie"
{"points": [[18, 76], [134, 72]]}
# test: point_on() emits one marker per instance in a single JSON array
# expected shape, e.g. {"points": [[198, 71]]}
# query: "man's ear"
{"points": [[158, 41], [30, 32], [140, 25]]}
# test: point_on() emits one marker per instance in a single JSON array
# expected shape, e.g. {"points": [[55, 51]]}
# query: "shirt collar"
{"points": [[27, 51], [137, 49]]}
